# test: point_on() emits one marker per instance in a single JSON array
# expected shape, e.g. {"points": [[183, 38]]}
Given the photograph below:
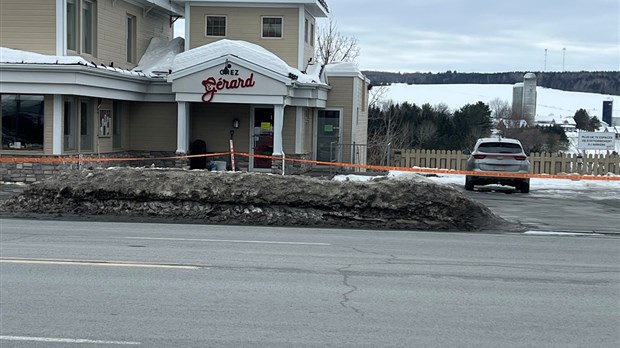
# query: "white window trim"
{"points": [[262, 33], [134, 38], [225, 27]]}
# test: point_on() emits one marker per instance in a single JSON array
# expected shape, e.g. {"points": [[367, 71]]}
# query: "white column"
{"points": [[182, 127], [57, 125], [278, 123], [299, 129], [61, 11]]}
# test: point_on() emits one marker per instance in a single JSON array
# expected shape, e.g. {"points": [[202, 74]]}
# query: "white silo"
{"points": [[517, 100], [529, 97]]}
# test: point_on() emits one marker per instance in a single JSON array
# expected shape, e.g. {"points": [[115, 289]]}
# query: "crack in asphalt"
{"points": [[346, 300]]}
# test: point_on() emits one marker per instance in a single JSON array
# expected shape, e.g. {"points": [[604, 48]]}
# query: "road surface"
{"points": [[104, 284]]}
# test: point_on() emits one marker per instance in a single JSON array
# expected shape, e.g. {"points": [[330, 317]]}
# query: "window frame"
{"points": [[72, 20], [23, 103], [88, 28], [131, 37], [207, 25], [262, 30]]}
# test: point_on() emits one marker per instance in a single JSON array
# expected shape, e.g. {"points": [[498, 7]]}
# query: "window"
{"points": [[78, 115], [22, 122], [216, 26], [312, 34], [86, 125], [81, 29], [306, 31], [87, 26], [71, 25], [130, 34], [272, 27], [69, 125]]}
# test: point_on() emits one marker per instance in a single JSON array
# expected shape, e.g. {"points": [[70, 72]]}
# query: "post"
{"points": [[182, 128]]}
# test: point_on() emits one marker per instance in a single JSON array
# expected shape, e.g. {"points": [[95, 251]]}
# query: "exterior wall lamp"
{"points": [[235, 123]]}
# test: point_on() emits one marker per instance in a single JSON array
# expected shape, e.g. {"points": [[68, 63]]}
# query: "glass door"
{"points": [[328, 136], [263, 137]]}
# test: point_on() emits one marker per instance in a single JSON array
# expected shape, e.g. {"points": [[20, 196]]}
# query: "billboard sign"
{"points": [[597, 141]]}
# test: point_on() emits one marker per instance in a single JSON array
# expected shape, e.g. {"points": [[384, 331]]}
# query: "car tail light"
{"points": [[479, 156], [520, 158]]}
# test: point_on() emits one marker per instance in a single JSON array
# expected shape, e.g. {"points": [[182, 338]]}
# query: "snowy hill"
{"points": [[552, 104]]}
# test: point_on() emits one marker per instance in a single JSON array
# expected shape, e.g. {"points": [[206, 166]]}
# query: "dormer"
{"points": [[285, 27]]}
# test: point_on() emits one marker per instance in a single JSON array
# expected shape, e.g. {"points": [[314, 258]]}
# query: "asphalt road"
{"points": [[102, 284], [560, 210]]}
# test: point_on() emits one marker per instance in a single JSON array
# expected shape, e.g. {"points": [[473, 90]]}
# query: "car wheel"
{"points": [[469, 184], [524, 187]]}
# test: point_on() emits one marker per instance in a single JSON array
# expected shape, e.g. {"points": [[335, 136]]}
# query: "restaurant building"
{"points": [[84, 79]]}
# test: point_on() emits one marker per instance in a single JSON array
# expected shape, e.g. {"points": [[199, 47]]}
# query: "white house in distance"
{"points": [[105, 78]]}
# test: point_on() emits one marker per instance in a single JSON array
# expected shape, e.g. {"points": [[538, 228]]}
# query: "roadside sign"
{"points": [[597, 141]]}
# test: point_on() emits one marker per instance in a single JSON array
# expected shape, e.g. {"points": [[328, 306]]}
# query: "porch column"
{"points": [[278, 124], [299, 128], [182, 128], [57, 125]]}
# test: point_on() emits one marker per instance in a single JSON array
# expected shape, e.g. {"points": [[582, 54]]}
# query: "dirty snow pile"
{"points": [[253, 199]]}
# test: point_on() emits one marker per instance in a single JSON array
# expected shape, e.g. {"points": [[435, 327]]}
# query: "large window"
{"points": [[216, 26], [72, 19], [78, 118], [86, 125], [22, 122], [81, 28], [272, 27], [70, 125], [131, 38]]}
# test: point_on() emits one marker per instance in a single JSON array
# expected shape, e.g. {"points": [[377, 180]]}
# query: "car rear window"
{"points": [[498, 147]]}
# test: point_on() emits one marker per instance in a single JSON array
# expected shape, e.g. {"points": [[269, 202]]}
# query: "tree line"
{"points": [[409, 126], [604, 82]]}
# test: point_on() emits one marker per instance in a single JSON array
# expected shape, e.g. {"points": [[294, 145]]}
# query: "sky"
{"points": [[482, 35]]}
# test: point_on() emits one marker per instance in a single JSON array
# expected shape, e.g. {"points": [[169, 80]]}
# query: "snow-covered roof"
{"points": [[11, 56], [243, 50], [159, 56]]}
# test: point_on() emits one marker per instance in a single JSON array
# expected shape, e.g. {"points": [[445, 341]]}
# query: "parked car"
{"points": [[501, 155]]}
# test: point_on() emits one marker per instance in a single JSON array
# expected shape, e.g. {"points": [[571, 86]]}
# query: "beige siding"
{"points": [[288, 130], [28, 25], [308, 133], [111, 28], [152, 126], [213, 123], [48, 124], [341, 96], [309, 46], [246, 24]]}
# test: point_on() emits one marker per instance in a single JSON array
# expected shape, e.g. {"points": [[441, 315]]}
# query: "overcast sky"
{"points": [[482, 35]]}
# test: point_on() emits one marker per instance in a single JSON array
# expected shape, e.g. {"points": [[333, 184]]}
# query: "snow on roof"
{"points": [[159, 56], [242, 50], [11, 56]]}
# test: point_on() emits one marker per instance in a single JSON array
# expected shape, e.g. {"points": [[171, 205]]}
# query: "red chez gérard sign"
{"points": [[212, 85]]}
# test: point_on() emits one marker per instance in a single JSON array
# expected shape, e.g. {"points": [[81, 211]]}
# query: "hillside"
{"points": [[603, 82]]}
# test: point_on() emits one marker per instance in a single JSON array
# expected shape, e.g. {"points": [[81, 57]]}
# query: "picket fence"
{"points": [[542, 163]]}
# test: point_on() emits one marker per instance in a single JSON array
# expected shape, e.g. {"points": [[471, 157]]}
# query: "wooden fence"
{"points": [[542, 163]]}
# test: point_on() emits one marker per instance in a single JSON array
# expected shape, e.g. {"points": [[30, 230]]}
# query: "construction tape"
{"points": [[575, 177]]}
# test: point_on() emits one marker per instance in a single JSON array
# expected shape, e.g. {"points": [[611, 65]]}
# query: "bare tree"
{"points": [[423, 133], [377, 95], [333, 46], [501, 109], [390, 133]]}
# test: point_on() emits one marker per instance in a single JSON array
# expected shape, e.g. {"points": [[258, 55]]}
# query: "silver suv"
{"points": [[502, 155]]}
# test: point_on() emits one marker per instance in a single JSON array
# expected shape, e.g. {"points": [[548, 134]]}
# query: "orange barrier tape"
{"points": [[575, 177]]}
